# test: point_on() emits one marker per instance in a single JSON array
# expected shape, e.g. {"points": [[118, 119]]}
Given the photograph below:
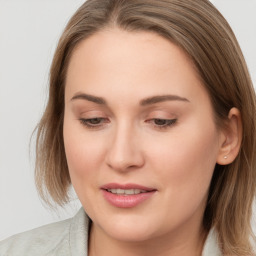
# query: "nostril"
{"points": [[124, 154]]}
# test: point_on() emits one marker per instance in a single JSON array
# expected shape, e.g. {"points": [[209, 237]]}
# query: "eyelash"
{"points": [[167, 123], [88, 122]]}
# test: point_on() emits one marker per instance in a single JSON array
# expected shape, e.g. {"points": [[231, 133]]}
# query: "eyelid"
{"points": [[89, 122], [166, 123], [161, 119], [161, 114], [92, 114]]}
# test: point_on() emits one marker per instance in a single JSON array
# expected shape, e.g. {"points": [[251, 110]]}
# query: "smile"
{"points": [[126, 195], [126, 191]]}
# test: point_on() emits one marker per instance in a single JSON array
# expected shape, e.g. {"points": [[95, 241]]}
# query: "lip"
{"points": [[126, 201], [126, 186]]}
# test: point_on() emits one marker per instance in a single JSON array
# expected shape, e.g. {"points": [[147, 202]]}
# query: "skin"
{"points": [[127, 143]]}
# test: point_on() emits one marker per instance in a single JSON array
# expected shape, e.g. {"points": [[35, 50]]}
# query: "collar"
{"points": [[211, 247], [79, 233]]}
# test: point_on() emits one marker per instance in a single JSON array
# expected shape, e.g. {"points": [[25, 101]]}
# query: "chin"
{"points": [[133, 228], [130, 234]]}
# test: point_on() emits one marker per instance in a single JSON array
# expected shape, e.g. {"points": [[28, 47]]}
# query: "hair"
{"points": [[202, 32]]}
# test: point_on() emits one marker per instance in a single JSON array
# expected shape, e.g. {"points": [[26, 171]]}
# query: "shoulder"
{"points": [[40, 241], [51, 239]]}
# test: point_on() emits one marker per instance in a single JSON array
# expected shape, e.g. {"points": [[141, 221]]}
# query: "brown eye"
{"points": [[96, 122], [164, 122], [159, 123]]}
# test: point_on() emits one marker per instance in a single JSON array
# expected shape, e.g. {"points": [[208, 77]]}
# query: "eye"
{"points": [[96, 122], [160, 123]]}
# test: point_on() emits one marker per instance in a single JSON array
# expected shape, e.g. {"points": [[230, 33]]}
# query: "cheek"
{"points": [[188, 158], [186, 170], [83, 154]]}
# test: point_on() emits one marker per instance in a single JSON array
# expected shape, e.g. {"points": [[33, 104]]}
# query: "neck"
{"points": [[177, 243]]}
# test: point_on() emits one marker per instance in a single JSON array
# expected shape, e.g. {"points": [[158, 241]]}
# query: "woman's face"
{"points": [[139, 134]]}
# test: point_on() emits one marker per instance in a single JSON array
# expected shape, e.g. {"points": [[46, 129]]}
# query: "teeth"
{"points": [[119, 191]]}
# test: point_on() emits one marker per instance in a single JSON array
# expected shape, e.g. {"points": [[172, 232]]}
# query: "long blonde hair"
{"points": [[202, 32]]}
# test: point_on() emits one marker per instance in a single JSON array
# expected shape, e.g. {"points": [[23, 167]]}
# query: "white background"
{"points": [[29, 30]]}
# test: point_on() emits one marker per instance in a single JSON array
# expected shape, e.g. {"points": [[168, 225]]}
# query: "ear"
{"points": [[231, 138]]}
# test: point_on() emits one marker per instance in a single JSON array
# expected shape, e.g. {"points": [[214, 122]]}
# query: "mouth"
{"points": [[126, 192], [127, 195]]}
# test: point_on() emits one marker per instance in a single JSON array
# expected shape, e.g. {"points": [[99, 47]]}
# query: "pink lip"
{"points": [[126, 201], [126, 186]]}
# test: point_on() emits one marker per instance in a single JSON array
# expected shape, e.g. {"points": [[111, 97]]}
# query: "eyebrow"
{"points": [[157, 99], [148, 101], [88, 97]]}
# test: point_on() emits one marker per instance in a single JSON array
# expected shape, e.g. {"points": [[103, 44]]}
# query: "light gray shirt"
{"points": [[68, 238]]}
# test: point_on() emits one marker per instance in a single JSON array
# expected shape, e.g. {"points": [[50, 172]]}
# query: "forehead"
{"points": [[121, 46], [117, 60]]}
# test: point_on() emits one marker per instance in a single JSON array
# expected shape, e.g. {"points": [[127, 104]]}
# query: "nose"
{"points": [[125, 150]]}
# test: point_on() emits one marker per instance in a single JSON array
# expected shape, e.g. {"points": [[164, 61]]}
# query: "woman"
{"points": [[151, 118]]}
